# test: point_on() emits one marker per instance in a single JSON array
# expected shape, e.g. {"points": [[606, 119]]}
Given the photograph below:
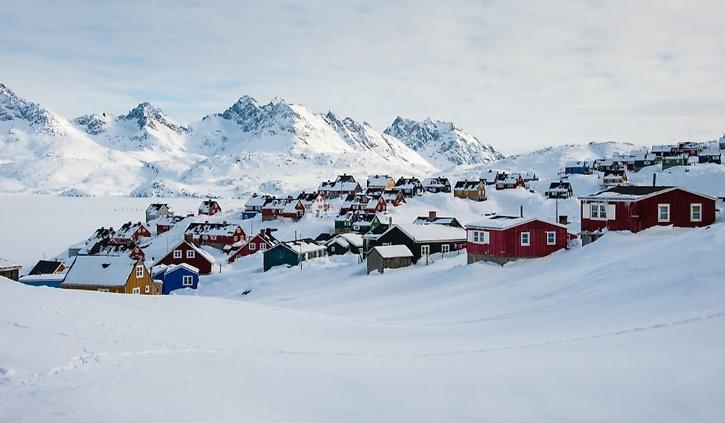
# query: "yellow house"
{"points": [[117, 274]]}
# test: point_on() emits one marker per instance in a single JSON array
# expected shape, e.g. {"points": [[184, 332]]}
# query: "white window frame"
{"points": [[262, 246], [660, 207], [445, 248], [103, 290], [697, 206], [425, 250], [190, 254], [551, 241], [252, 246], [528, 239], [147, 289], [136, 290], [187, 280], [386, 244], [139, 271], [598, 211], [178, 254]]}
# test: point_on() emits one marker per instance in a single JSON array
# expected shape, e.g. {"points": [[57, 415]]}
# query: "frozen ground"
{"points": [[629, 329]]}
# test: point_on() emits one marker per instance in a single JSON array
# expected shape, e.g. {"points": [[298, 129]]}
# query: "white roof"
{"points": [[45, 277], [6, 263], [379, 180], [505, 222], [662, 148], [100, 270], [301, 247], [393, 251], [349, 238], [422, 233], [256, 201], [175, 267], [576, 164]]}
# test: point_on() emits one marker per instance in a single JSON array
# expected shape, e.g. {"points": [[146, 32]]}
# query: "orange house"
{"points": [[117, 274]]}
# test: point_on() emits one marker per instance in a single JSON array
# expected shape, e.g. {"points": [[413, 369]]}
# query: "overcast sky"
{"points": [[517, 74]]}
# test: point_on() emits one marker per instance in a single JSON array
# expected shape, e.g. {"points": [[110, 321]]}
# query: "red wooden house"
{"points": [[165, 224], [635, 208], [216, 235], [131, 232], [289, 207], [209, 208], [501, 239], [260, 242], [366, 203], [188, 253]]}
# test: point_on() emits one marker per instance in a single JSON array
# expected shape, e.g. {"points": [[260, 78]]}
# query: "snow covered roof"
{"points": [[207, 205], [199, 251], [662, 148], [155, 207], [436, 182], [258, 200], [100, 270], [633, 193], [393, 251], [379, 180], [576, 164], [175, 267], [467, 185], [5, 264], [505, 222], [303, 246], [349, 239], [50, 277], [431, 233], [215, 229], [128, 229]]}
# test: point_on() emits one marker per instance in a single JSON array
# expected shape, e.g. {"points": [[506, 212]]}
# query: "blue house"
{"points": [[177, 276], [577, 168]]}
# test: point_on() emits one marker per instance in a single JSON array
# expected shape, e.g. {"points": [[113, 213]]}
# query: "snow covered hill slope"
{"points": [[620, 330], [442, 143]]}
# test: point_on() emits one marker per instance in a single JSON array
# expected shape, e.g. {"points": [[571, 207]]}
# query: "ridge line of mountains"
{"points": [[146, 152]]}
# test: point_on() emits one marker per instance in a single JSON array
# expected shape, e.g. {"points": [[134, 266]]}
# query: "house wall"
{"points": [[636, 216], [278, 256], [174, 280], [12, 273], [245, 250], [198, 261], [506, 244]]}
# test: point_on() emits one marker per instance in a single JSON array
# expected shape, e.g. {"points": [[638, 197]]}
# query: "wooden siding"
{"points": [[506, 243], [131, 282], [199, 261], [639, 215]]}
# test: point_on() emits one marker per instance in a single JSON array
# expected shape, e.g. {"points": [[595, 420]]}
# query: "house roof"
{"points": [[662, 148], [174, 267], [302, 246], [128, 229], [438, 220], [634, 193], [431, 233], [208, 257], [354, 240], [100, 270], [206, 205], [468, 185], [393, 251], [215, 229], [436, 182], [45, 267], [258, 200], [505, 222], [576, 164], [154, 207], [6, 264], [379, 180]]}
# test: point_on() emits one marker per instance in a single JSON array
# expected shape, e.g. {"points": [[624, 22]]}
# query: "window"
{"points": [[102, 289], [213, 237], [147, 289], [479, 237], [385, 244], [177, 254], [445, 248], [424, 250], [262, 246], [599, 211], [663, 212], [695, 212], [252, 246], [136, 290], [525, 239], [139, 271], [190, 254], [551, 238], [187, 280]]}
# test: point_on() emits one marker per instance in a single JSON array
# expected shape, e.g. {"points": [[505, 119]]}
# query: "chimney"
{"points": [[431, 215], [654, 179], [563, 220], [224, 222], [521, 211], [189, 237], [390, 220]]}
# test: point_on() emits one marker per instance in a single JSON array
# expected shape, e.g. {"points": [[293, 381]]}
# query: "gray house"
{"points": [[389, 257], [157, 210]]}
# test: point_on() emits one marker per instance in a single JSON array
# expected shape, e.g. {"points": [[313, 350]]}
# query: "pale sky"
{"points": [[517, 74]]}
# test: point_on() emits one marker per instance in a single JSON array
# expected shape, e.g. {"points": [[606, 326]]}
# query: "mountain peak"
{"points": [[443, 143], [149, 116], [40, 119]]}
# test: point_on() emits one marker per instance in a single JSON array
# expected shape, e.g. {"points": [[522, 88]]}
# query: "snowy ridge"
{"points": [[442, 143]]}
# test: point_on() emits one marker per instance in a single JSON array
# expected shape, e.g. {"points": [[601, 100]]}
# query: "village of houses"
{"points": [[140, 257]]}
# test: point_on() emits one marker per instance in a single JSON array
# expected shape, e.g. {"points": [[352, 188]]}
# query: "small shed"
{"points": [[345, 243], [389, 257]]}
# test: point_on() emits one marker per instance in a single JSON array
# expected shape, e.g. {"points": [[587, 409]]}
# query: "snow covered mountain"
{"points": [[442, 143], [249, 147]]}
